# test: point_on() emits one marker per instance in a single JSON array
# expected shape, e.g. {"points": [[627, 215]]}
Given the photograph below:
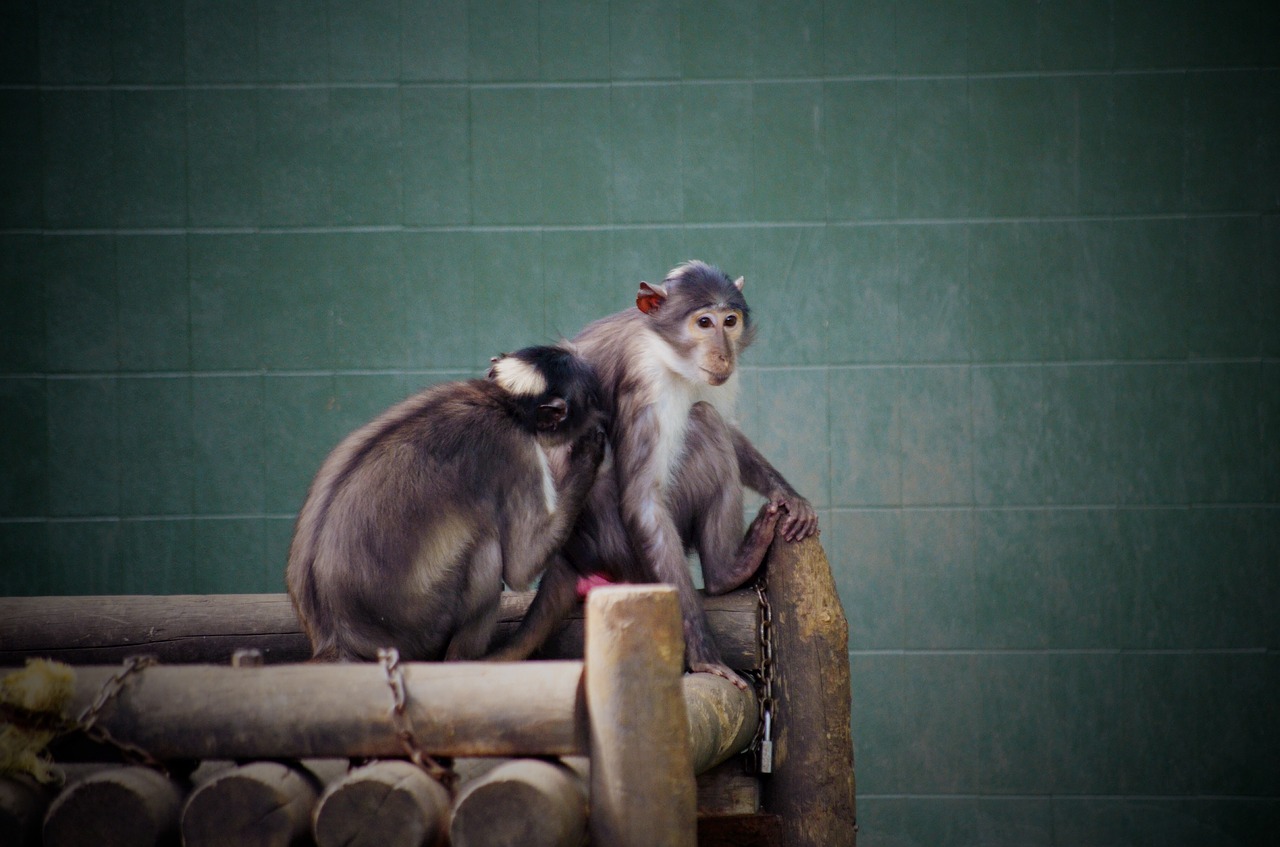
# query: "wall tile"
{"points": [[84, 449], [802, 460], [1223, 459], [1230, 117], [859, 140], [1014, 822], [645, 141], [504, 40], [718, 38], [80, 303], [77, 138], [1014, 579], [155, 302], [576, 165], [942, 720], [1269, 425], [293, 41], [1161, 745], [147, 41], [866, 547], [939, 594], [24, 448], [1240, 691], [1076, 562], [367, 169], [864, 294], [434, 40], [84, 557], [294, 296], [295, 151], [370, 300], [790, 41], [506, 155], [155, 433], [150, 158], [21, 143], [574, 39], [364, 40], [933, 163], [302, 426], [1002, 36], [933, 293], [577, 282], [223, 185], [1076, 35], [644, 39], [156, 557], [22, 304], [229, 460], [787, 152], [1226, 277], [1007, 310], [435, 143], [715, 134], [222, 44], [858, 38], [20, 42], [930, 38], [936, 414], [642, 254], [227, 324], [1080, 448], [1016, 715], [24, 558], [789, 292], [75, 41], [1085, 697], [879, 732], [231, 557], [440, 299], [1009, 438], [508, 286], [1143, 40], [866, 465], [1141, 167]]}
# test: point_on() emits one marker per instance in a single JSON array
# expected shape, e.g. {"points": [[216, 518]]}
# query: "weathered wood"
{"points": [[521, 803], [642, 786], [187, 629], [740, 831], [728, 789], [263, 804], [812, 785], [22, 806], [383, 804], [342, 710], [722, 719], [115, 807]]}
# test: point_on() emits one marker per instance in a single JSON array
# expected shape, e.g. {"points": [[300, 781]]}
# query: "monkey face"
{"points": [[554, 392], [716, 334]]}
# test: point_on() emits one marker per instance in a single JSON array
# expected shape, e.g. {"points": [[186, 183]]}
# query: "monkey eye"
{"points": [[705, 322], [731, 320]]}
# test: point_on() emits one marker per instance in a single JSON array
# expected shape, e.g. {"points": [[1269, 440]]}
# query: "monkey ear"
{"points": [[650, 297], [739, 282], [552, 412]]}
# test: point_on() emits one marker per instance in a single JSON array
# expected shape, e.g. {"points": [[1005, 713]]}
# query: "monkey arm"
{"points": [[801, 520]]}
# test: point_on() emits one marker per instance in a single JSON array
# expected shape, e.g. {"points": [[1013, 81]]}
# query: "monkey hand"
{"points": [[588, 449], [801, 520], [720, 670]]}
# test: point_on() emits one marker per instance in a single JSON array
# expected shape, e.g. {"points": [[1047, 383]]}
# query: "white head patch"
{"points": [[519, 377]]}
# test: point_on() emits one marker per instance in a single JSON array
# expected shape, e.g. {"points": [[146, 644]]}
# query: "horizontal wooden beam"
{"points": [[189, 628]]}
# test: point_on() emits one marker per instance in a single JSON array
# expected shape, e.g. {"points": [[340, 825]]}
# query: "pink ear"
{"points": [[739, 282], [650, 298]]}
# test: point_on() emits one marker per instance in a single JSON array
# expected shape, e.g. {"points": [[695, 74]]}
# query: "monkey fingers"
{"points": [[719, 670], [801, 520]]}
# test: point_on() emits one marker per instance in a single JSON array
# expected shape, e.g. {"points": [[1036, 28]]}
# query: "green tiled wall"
{"points": [[1016, 267]]}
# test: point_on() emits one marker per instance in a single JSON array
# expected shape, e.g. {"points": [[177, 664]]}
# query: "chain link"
{"points": [[389, 658], [763, 743], [88, 719]]}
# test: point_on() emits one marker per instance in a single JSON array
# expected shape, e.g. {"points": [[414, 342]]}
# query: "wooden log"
{"points": [[23, 802], [722, 719], [262, 804], [812, 785], [341, 710], [383, 804], [521, 803], [642, 786], [188, 629], [115, 807], [728, 789]]}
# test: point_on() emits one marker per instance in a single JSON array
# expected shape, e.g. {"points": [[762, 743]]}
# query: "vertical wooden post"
{"points": [[812, 785], [642, 784]]}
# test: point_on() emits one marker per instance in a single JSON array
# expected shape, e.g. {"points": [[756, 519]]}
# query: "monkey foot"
{"points": [[719, 670]]}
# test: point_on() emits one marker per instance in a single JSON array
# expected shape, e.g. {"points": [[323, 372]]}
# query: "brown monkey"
{"points": [[672, 479], [415, 520]]}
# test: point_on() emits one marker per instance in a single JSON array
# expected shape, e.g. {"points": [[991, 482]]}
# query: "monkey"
{"points": [[416, 519], [676, 463]]}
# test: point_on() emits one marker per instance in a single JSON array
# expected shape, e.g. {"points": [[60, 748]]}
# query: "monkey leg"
{"points": [[556, 595], [749, 555]]}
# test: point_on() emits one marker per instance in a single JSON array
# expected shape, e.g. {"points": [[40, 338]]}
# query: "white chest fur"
{"points": [[548, 482]]}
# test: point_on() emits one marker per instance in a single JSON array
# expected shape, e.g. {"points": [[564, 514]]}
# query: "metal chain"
{"points": [[88, 719], [763, 743], [389, 658]]}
